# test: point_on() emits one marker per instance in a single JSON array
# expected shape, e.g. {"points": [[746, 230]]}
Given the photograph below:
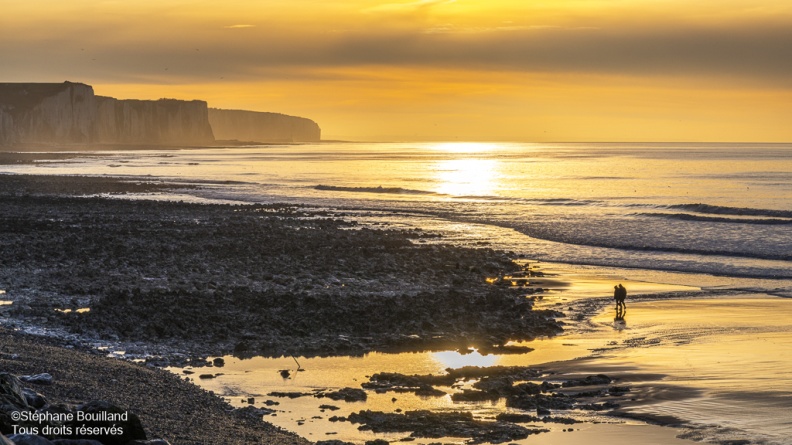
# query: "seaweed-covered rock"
{"points": [[435, 425], [599, 379], [345, 394]]}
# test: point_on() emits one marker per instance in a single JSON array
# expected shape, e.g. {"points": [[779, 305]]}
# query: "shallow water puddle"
{"points": [[239, 380]]}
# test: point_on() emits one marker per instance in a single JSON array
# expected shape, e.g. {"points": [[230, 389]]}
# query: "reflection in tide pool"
{"points": [[241, 379], [453, 359]]}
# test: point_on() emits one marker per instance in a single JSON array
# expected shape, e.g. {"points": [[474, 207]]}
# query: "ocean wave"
{"points": [[641, 245], [379, 189], [689, 217], [564, 202], [723, 210]]}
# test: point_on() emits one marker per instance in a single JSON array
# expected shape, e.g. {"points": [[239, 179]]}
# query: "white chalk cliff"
{"points": [[70, 113]]}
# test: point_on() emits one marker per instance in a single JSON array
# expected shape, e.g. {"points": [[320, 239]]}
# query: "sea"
{"points": [[706, 227]]}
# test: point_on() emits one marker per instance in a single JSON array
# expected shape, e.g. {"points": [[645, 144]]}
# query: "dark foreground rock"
{"points": [[252, 279], [164, 405]]}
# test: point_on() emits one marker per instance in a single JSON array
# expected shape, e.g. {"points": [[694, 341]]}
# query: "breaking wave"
{"points": [[723, 210], [689, 217], [379, 189]]}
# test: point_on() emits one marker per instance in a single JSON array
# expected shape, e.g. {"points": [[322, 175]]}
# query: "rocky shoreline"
{"points": [[249, 279], [173, 282], [159, 404]]}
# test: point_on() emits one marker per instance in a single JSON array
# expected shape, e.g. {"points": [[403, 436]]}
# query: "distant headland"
{"points": [[70, 113]]}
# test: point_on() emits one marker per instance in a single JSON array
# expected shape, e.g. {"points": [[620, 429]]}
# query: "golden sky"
{"points": [[560, 70]]}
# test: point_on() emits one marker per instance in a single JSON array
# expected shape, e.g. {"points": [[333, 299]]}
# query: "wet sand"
{"points": [[717, 366]]}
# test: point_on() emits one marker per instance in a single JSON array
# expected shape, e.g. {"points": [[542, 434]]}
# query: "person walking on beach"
{"points": [[620, 294]]}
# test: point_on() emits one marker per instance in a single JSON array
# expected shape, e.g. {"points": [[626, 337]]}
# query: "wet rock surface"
{"points": [[534, 396], [436, 425], [252, 279]]}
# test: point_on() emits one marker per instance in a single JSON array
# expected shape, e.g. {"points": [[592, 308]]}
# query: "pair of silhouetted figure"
{"points": [[620, 294]]}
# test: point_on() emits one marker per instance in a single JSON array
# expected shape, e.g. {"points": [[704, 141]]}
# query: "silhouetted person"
{"points": [[620, 294]]}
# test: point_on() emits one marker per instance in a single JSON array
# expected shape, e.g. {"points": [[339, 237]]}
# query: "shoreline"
{"points": [[446, 262]]}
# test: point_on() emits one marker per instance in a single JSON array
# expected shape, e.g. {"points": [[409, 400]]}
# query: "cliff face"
{"points": [[36, 113], [262, 127], [6, 127], [70, 113], [164, 121]]}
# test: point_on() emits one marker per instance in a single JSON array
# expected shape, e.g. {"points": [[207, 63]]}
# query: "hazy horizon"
{"points": [[431, 70]]}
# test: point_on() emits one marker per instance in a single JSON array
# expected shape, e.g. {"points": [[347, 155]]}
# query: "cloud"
{"points": [[749, 52], [407, 7]]}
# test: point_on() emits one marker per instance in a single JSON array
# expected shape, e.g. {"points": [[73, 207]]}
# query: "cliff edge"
{"points": [[262, 127]]}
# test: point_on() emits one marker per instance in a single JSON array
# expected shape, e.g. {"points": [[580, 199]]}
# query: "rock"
{"points": [[76, 442], [291, 395], [517, 418], [149, 442], [253, 412], [599, 379], [40, 379], [12, 398], [427, 424], [346, 394], [219, 362], [617, 391], [29, 439], [377, 442], [33, 398], [471, 395]]}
